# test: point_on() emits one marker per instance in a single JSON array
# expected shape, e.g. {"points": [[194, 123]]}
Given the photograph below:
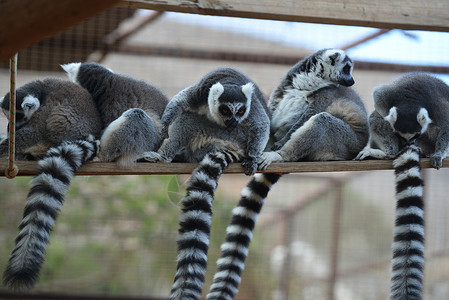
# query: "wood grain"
{"points": [[29, 168], [401, 14], [24, 22]]}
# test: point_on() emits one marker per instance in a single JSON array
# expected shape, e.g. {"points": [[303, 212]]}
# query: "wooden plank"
{"points": [[29, 168], [400, 14], [24, 22]]}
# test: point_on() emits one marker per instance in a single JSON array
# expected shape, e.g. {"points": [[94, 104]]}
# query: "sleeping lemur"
{"points": [[130, 110], [48, 112], [414, 107], [315, 116], [218, 120]]}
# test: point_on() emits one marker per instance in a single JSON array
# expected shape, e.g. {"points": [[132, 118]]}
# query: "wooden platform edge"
{"points": [[402, 14], [29, 168]]}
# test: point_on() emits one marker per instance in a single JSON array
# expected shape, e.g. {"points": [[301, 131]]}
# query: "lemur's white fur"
{"points": [[247, 90], [215, 92], [29, 105], [392, 117], [331, 71], [72, 71], [113, 126], [423, 119]]}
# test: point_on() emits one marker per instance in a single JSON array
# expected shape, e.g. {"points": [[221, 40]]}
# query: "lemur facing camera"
{"points": [[412, 108], [315, 116], [221, 119], [224, 110]]}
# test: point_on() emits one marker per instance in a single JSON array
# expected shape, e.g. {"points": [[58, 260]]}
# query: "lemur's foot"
{"points": [[370, 152], [267, 158], [152, 156]]}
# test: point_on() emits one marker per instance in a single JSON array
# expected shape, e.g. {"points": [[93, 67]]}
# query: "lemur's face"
{"points": [[230, 105], [232, 113], [408, 123], [26, 106], [340, 67]]}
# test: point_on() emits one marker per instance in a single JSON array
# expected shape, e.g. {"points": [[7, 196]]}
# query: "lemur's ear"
{"points": [[72, 70], [215, 92], [30, 104], [334, 57], [423, 119], [392, 116], [247, 90]]}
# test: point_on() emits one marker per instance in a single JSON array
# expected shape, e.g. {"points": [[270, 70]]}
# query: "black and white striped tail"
{"points": [[43, 203], [408, 244], [195, 221], [238, 237]]}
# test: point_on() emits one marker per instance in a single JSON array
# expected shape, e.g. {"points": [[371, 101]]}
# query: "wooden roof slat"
{"points": [[24, 22], [29, 168], [401, 14]]}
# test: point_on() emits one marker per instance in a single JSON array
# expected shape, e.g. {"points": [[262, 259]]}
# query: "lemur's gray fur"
{"points": [[412, 108], [223, 110], [315, 114], [313, 118], [219, 120], [48, 112], [44, 201], [130, 110]]}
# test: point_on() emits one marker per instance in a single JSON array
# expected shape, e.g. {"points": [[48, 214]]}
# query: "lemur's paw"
{"points": [[267, 158], [276, 146], [152, 156], [250, 165], [436, 160], [370, 152]]}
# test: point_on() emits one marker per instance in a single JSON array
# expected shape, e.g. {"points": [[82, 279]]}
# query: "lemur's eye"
{"points": [[224, 110], [241, 111], [347, 69]]}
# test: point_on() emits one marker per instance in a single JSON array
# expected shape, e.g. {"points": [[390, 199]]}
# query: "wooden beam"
{"points": [[24, 22], [29, 168], [400, 14]]}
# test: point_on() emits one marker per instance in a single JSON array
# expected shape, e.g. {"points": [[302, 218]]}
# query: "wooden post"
{"points": [[334, 243]]}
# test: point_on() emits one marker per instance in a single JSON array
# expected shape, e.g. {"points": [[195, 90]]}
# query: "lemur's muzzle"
{"points": [[346, 81], [231, 124]]}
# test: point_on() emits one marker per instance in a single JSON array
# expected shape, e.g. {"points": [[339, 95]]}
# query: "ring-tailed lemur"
{"points": [[313, 118], [130, 110], [43, 203], [414, 107], [135, 131], [230, 111], [220, 119], [51, 113], [408, 244], [48, 112], [315, 114]]}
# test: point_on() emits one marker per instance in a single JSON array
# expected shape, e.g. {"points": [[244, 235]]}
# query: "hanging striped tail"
{"points": [[408, 244], [238, 237], [43, 203], [195, 221]]}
